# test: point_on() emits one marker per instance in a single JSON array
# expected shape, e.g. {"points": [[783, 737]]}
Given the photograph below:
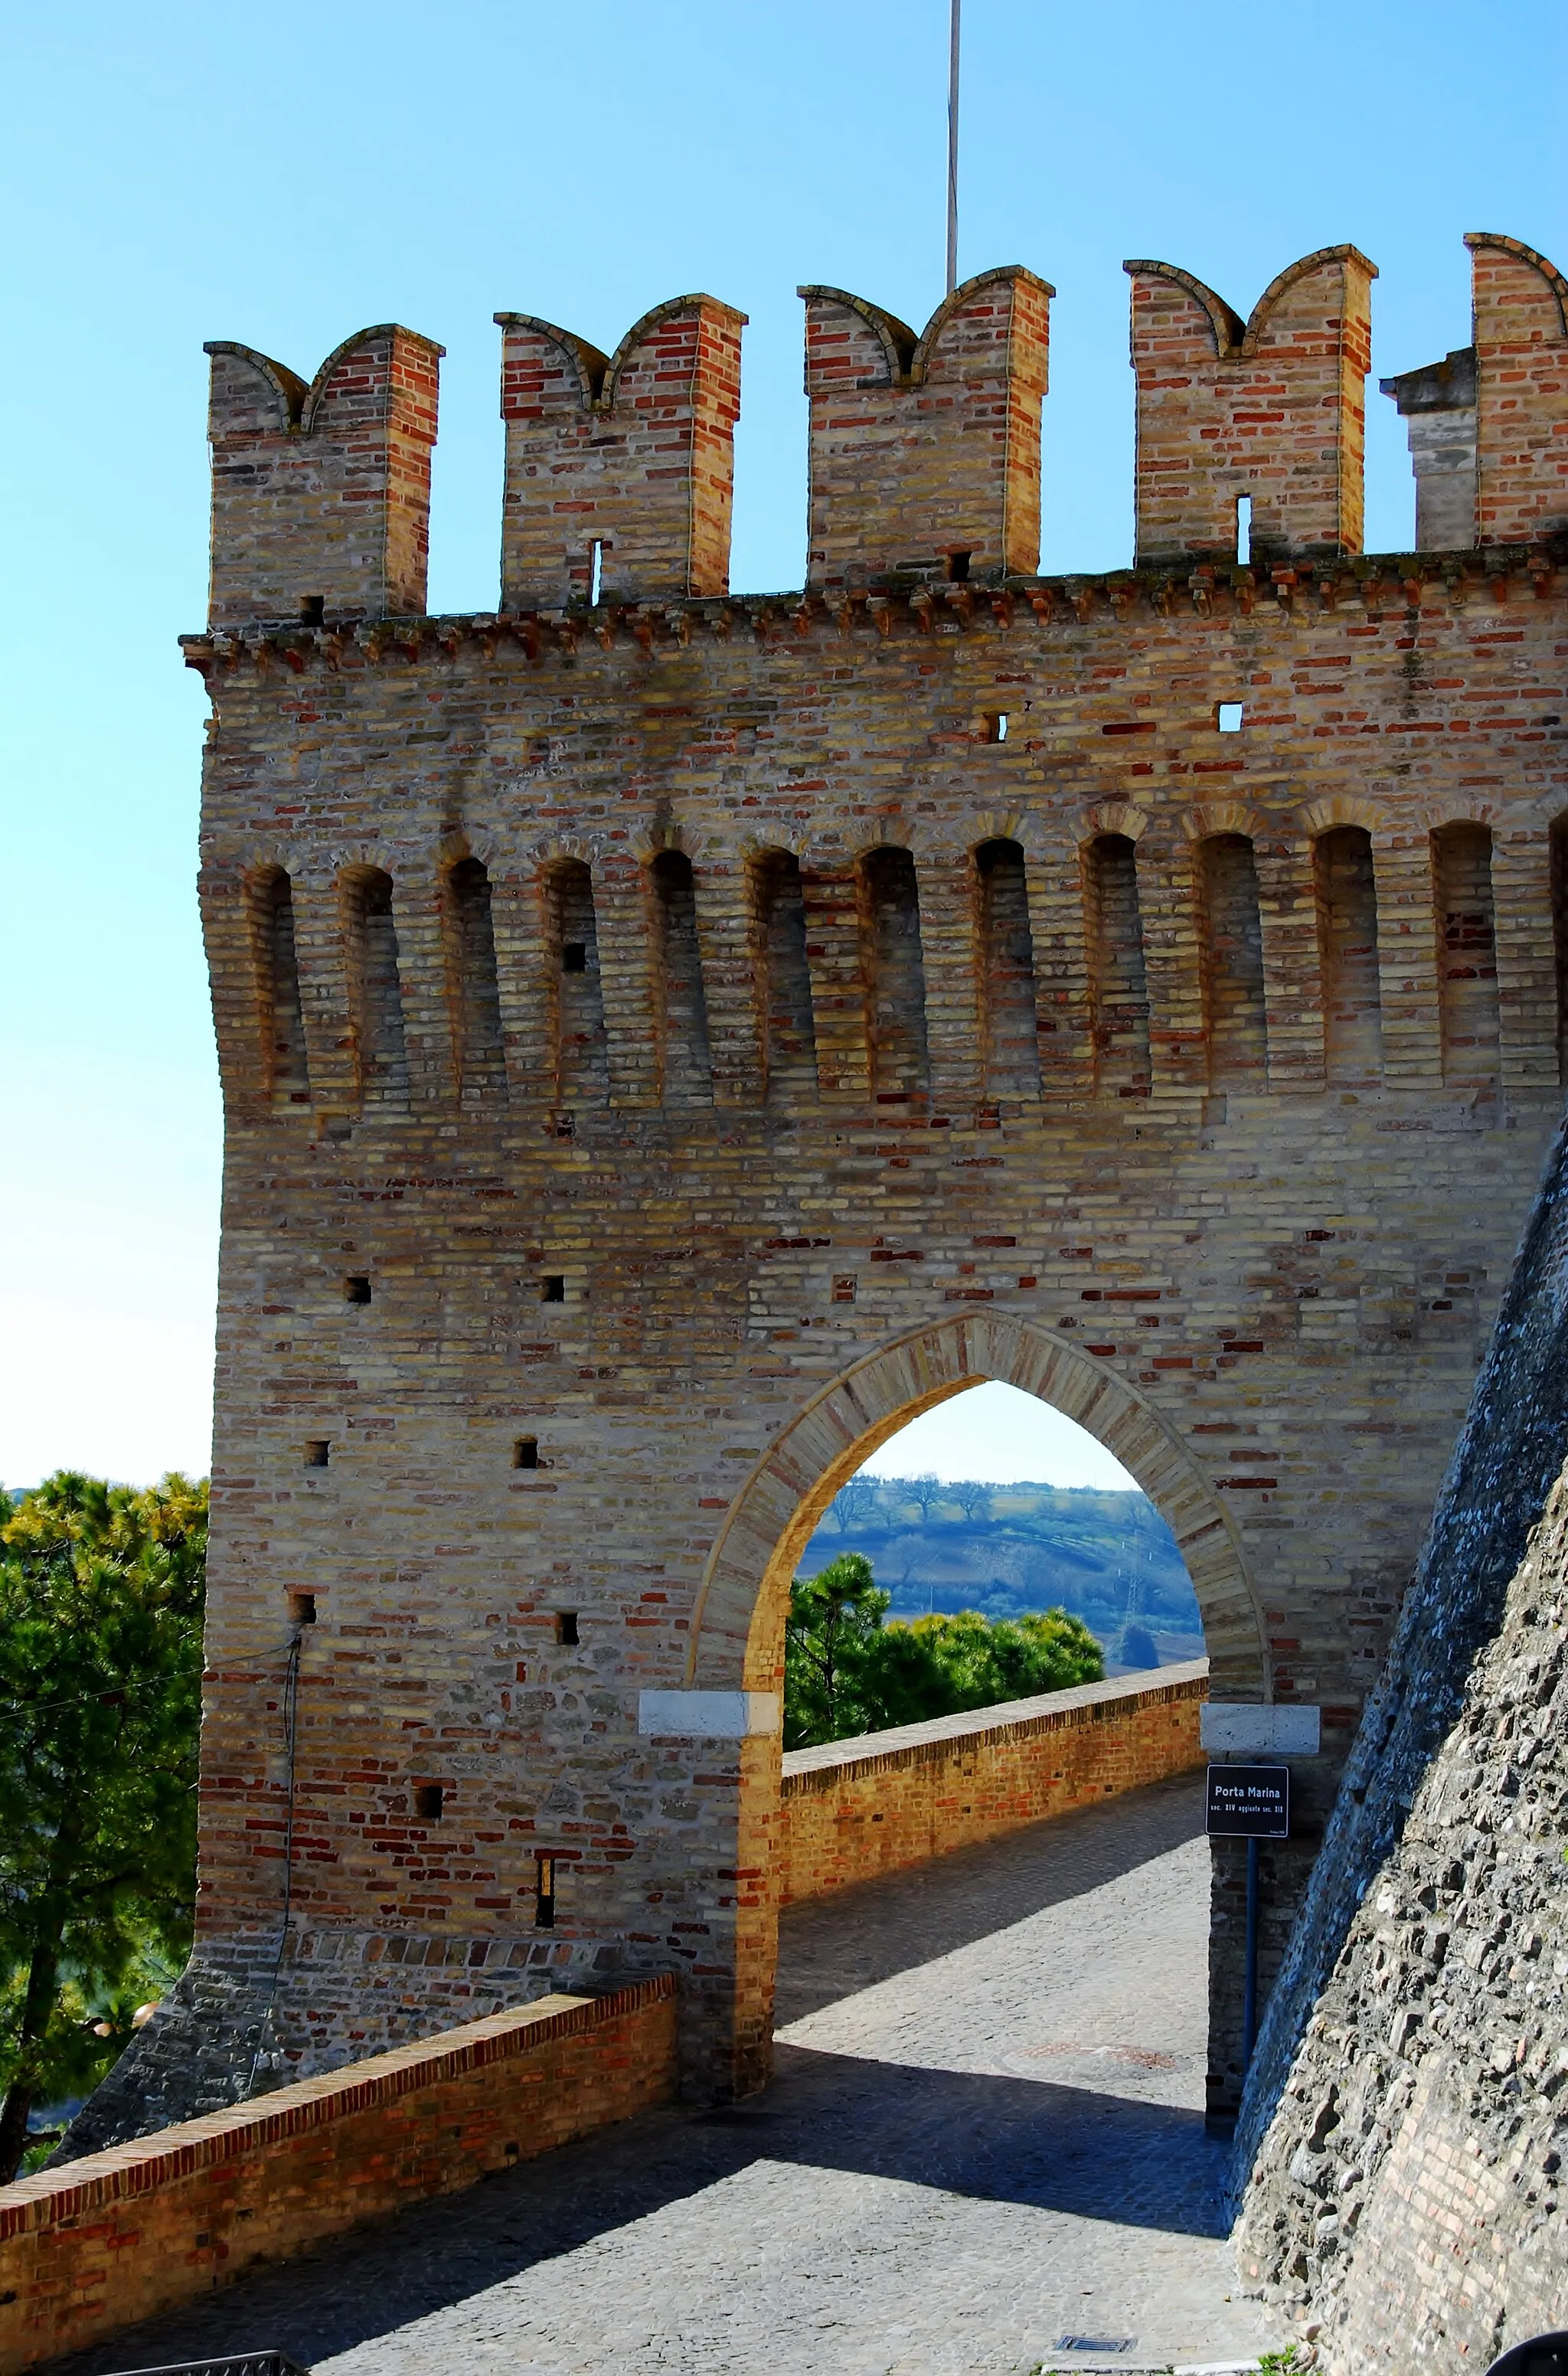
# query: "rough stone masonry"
{"points": [[671, 1038], [1406, 2196]]}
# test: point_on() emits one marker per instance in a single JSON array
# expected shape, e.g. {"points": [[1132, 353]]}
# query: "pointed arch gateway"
{"points": [[738, 1625]]}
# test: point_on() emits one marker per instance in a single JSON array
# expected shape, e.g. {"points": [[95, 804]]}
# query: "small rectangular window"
{"points": [[356, 1290], [525, 1452], [312, 610], [552, 1288], [596, 570], [567, 1627], [545, 1890], [318, 1452], [429, 1799], [996, 727], [1243, 528], [301, 1608], [958, 568], [1230, 717], [574, 956]]}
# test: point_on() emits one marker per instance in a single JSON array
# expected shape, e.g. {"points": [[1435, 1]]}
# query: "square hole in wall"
{"points": [[525, 1452], [567, 1627], [1228, 717], [997, 726], [312, 610], [301, 1608], [429, 1800], [956, 565], [574, 956], [552, 1288], [318, 1452], [356, 1290]]}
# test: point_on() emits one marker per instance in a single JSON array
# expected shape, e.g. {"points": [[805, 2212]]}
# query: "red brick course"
{"points": [[121, 2235], [856, 1808]]}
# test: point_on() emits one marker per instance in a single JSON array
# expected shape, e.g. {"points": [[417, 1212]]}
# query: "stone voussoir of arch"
{"points": [[773, 1515]]}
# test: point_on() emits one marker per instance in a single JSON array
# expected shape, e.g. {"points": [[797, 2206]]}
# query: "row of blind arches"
{"points": [[890, 985]]}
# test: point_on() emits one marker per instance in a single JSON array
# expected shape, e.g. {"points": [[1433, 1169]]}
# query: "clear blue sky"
{"points": [[174, 173]]}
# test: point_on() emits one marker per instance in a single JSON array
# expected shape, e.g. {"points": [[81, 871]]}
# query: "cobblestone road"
{"points": [[985, 2135]]}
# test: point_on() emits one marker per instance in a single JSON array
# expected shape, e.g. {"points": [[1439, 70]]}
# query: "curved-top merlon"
{"points": [[625, 459], [1272, 410], [321, 491]]}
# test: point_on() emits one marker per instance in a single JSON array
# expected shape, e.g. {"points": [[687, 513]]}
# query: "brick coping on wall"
{"points": [[121, 2173], [906, 1744]]}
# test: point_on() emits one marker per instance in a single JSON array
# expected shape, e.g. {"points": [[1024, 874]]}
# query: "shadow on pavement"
{"points": [[1066, 2149], [1003, 2139], [832, 1947]]}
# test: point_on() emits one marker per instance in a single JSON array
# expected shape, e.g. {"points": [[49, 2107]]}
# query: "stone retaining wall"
{"points": [[124, 2234], [856, 1808], [1405, 2122]]}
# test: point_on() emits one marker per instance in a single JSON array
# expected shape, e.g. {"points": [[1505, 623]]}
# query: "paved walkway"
{"points": [[985, 2136]]}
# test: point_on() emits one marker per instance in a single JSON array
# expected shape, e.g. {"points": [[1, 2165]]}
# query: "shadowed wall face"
{"points": [[477, 996], [1238, 1036], [1346, 886], [1467, 953], [1118, 980], [1012, 1025], [789, 1031]]}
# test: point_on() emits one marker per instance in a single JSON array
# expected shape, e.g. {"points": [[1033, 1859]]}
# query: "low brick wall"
{"points": [[884, 1799], [123, 2234]]}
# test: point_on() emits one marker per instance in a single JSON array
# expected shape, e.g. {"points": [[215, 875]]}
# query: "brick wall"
{"points": [[134, 2230], [924, 451], [633, 453], [1521, 323], [726, 1147], [1273, 409], [321, 494], [856, 1808]]}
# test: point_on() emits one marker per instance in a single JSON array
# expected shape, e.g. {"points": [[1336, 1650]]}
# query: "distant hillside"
{"points": [[1107, 1557]]}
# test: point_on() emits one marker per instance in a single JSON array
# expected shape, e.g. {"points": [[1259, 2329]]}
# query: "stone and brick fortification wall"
{"points": [[1406, 2123], [854, 1809], [667, 1043], [142, 2228]]}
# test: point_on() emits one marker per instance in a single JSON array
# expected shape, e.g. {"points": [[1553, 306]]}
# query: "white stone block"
{"points": [[708, 1716], [1232, 1728]]}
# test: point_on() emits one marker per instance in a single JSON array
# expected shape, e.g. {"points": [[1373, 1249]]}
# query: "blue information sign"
{"points": [[1248, 1802]]}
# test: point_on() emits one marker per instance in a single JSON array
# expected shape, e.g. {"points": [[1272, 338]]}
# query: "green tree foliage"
{"points": [[847, 1672], [100, 1605], [834, 1620]]}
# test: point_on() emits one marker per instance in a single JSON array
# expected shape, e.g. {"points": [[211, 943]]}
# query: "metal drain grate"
{"points": [[232, 2363], [1111, 2345]]}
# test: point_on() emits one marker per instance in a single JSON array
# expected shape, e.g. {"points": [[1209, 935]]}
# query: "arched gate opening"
{"points": [[737, 1636]]}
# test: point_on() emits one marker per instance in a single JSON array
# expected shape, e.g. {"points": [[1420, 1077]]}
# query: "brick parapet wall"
{"points": [[852, 1809], [128, 2232]]}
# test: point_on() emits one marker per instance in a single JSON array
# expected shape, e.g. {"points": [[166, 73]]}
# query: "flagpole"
{"points": [[952, 150]]}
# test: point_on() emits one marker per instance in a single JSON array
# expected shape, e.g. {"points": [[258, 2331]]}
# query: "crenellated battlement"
{"points": [[1273, 409], [628, 456], [925, 446], [925, 449], [321, 491]]}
